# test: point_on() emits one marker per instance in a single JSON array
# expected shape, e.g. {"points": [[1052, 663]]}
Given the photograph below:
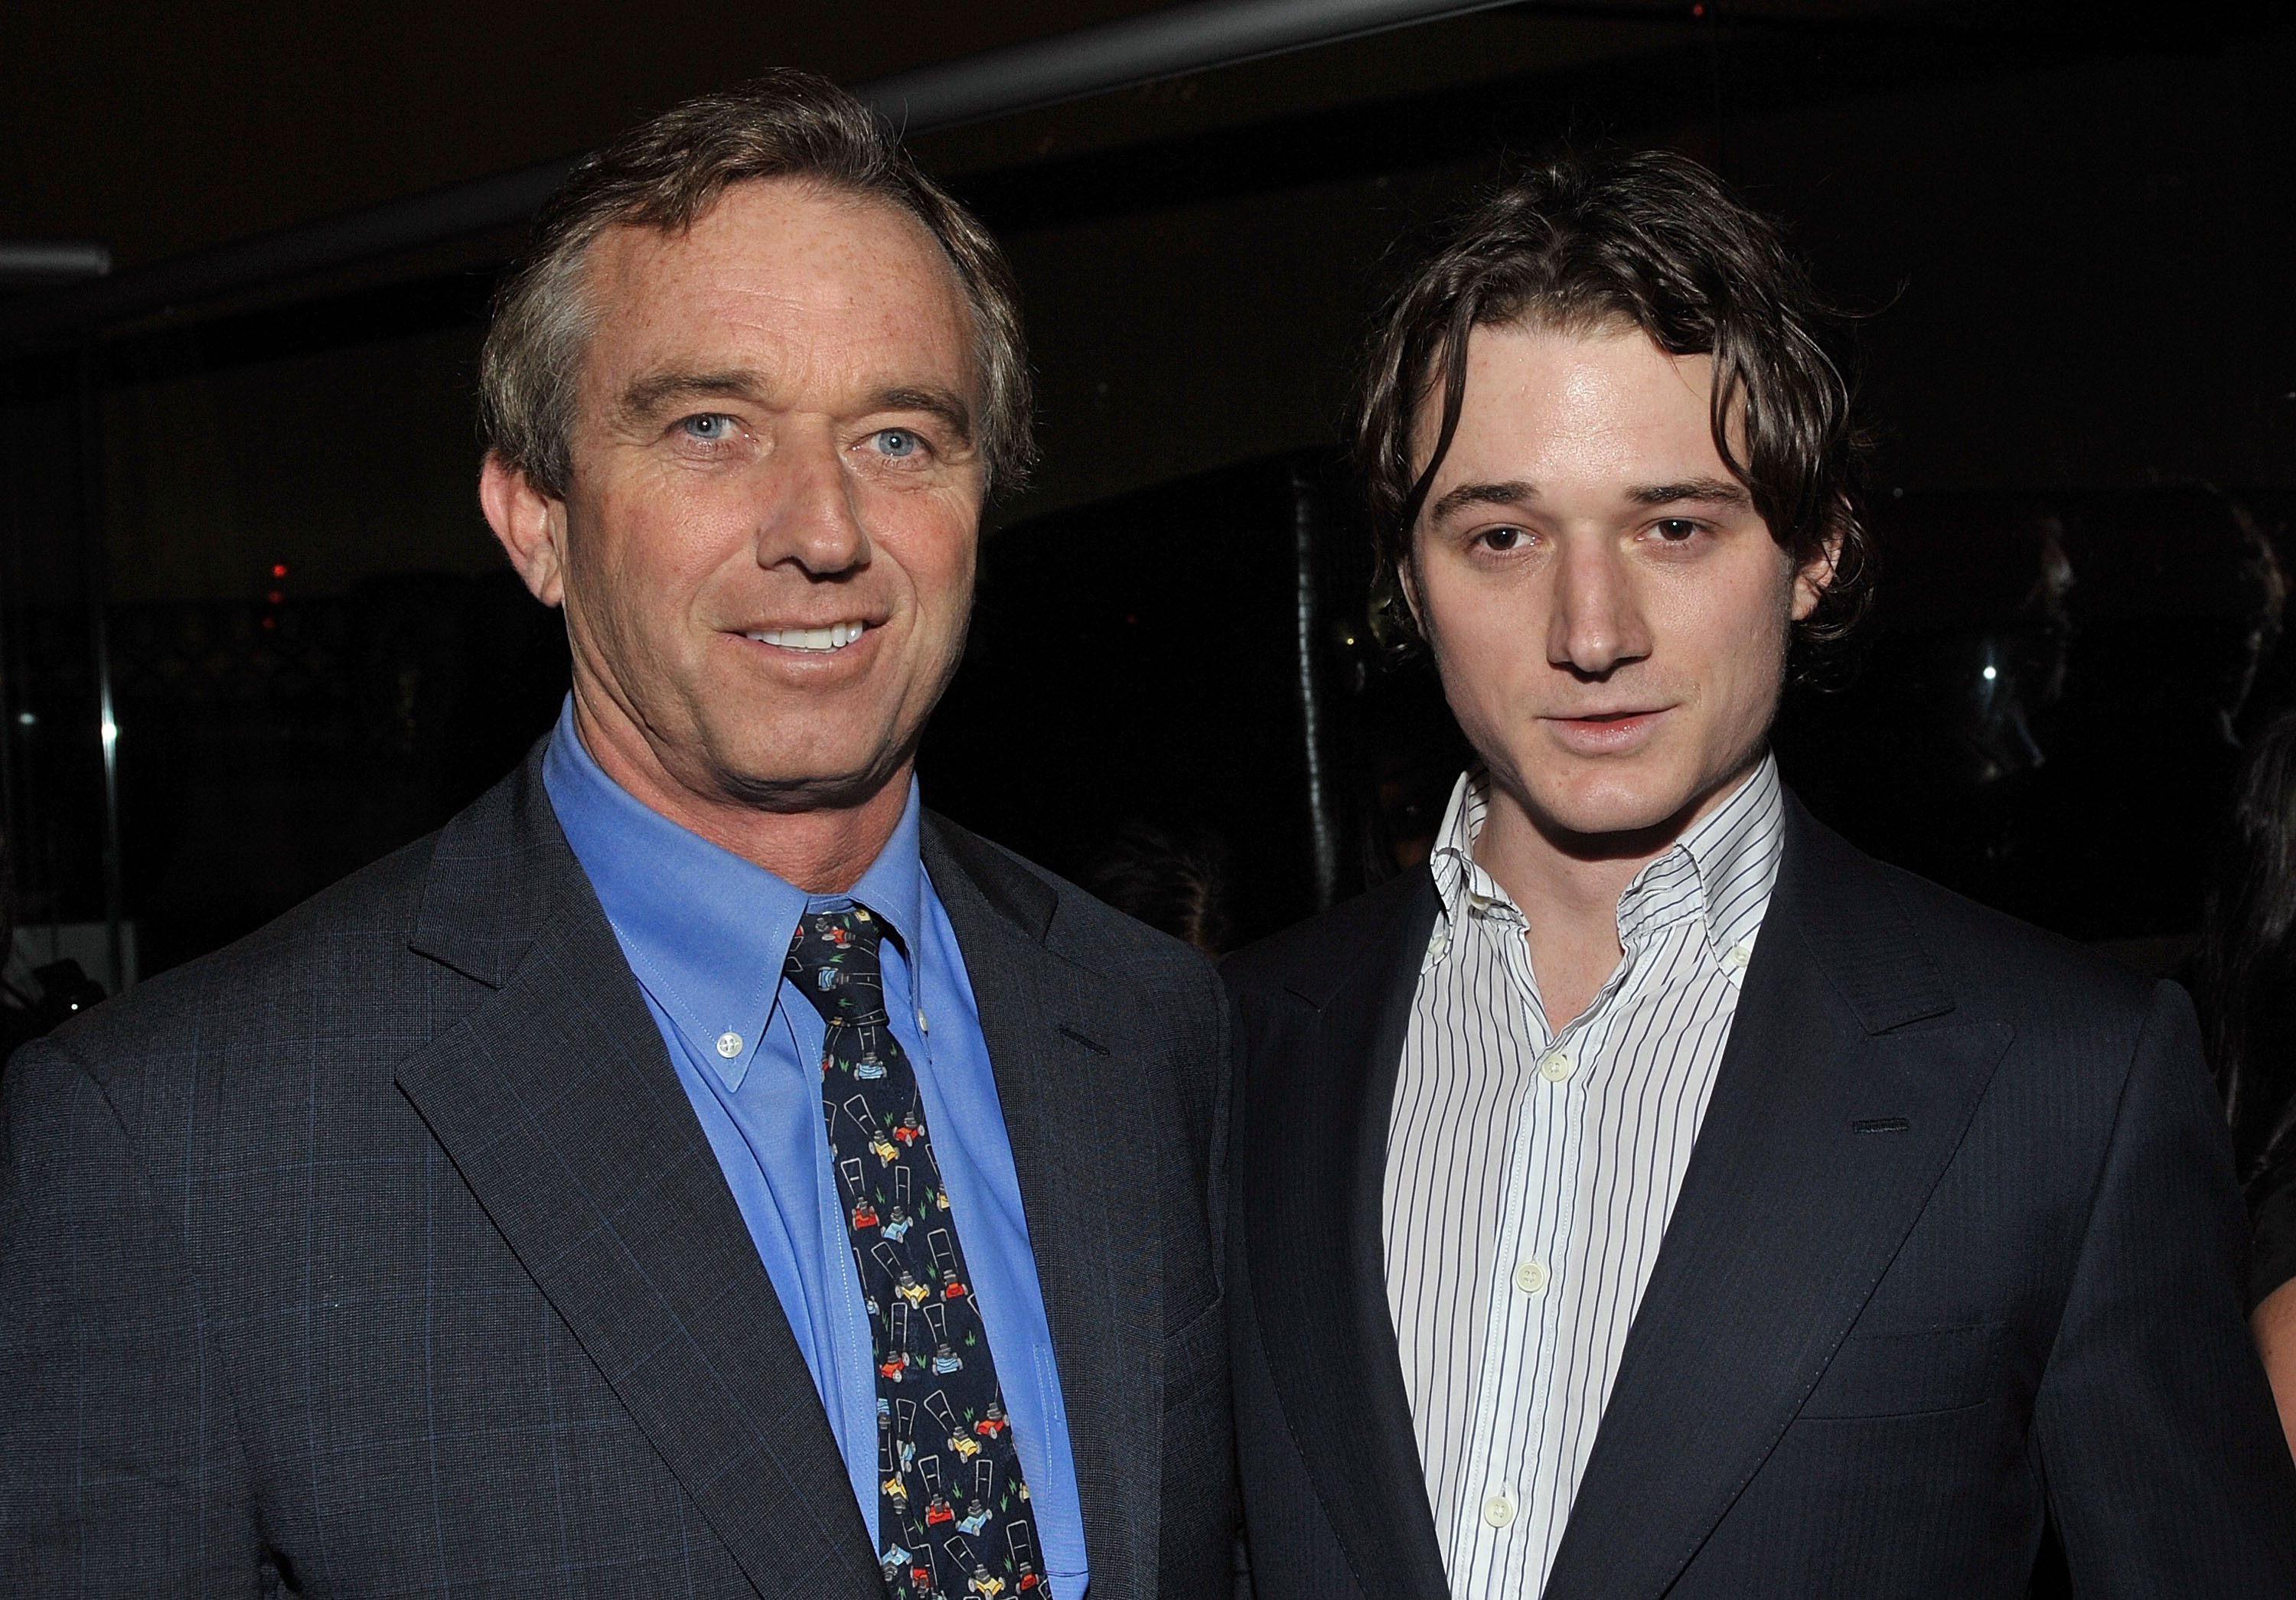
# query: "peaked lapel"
{"points": [[1317, 1101], [1787, 1217], [556, 1102], [1069, 1049]]}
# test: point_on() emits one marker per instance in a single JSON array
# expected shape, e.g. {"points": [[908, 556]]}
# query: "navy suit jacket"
{"points": [[1957, 1265], [382, 1254]]}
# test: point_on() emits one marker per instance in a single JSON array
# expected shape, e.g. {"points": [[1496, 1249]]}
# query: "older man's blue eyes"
{"points": [[715, 427]]}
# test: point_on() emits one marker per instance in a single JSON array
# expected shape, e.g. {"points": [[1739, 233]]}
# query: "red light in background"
{"points": [[270, 622], [275, 598], [279, 568]]}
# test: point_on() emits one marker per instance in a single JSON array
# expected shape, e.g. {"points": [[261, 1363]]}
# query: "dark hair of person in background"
{"points": [[2244, 983], [1650, 241], [1176, 885]]}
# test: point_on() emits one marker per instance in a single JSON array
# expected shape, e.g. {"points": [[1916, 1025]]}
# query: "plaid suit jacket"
{"points": [[382, 1254]]}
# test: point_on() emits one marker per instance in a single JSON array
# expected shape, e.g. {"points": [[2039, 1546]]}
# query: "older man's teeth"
{"points": [[837, 635]]}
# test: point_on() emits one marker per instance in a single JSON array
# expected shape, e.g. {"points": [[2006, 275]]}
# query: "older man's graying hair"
{"points": [[664, 176]]}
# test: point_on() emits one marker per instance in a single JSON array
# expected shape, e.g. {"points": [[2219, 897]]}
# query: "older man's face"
{"points": [[768, 544]]}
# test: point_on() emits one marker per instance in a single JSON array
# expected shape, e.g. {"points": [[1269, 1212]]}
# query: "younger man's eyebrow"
{"points": [[1514, 492], [1703, 491]]}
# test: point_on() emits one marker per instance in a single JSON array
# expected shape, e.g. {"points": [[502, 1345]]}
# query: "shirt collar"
{"points": [[1737, 847], [1457, 877], [1721, 869], [706, 933]]}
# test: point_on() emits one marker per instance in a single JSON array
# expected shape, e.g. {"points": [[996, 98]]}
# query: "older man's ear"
{"points": [[530, 524]]}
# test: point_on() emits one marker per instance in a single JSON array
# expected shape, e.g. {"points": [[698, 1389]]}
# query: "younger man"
{"points": [[1653, 1194]]}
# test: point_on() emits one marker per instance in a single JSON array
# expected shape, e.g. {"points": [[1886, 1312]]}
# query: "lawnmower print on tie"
{"points": [[953, 1518]]}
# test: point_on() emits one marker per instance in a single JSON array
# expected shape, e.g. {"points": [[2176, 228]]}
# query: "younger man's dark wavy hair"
{"points": [[1650, 240]]}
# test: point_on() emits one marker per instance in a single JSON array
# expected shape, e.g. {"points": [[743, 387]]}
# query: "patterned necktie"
{"points": [[953, 1514]]}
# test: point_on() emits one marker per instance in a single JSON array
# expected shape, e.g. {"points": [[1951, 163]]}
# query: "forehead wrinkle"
{"points": [[813, 329], [780, 321]]}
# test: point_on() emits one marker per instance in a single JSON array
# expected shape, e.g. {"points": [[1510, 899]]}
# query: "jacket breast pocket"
{"points": [[1904, 1372]]}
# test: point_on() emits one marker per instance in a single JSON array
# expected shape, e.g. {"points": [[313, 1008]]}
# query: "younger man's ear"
{"points": [[1407, 584], [530, 524], [1816, 575]]}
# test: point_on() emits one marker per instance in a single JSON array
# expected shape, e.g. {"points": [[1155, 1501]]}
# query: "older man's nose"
{"points": [[1596, 623], [809, 518]]}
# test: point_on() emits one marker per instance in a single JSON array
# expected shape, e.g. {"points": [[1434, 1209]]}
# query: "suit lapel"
{"points": [[557, 1104], [1066, 1048], [1788, 1217], [1312, 1204]]}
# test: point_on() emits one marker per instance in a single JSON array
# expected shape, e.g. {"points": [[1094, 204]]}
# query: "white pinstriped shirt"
{"points": [[1530, 1173]]}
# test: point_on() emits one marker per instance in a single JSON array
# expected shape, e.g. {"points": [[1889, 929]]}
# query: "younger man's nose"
{"points": [[1596, 623]]}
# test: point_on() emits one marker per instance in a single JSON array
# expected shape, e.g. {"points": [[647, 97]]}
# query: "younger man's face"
{"points": [[1608, 611]]}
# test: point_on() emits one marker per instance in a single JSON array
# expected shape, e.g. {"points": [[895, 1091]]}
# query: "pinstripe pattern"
{"points": [[1530, 1172]]}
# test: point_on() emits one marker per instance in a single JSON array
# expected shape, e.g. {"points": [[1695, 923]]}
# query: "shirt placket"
{"points": [[1520, 1330], [1509, 1518]]}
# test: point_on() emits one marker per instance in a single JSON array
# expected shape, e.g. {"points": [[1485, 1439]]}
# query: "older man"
{"points": [[697, 1170]]}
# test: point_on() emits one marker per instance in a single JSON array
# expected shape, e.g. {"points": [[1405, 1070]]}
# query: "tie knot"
{"points": [[833, 961]]}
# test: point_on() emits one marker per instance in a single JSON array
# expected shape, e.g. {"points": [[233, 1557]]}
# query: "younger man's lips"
{"points": [[1605, 733]]}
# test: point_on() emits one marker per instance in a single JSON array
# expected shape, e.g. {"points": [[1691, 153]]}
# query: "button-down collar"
{"points": [[705, 932], [1722, 870]]}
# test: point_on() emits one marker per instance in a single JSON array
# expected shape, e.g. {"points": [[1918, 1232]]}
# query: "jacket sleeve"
{"points": [[2167, 1471], [120, 1471]]}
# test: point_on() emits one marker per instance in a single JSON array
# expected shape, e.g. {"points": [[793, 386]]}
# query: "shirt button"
{"points": [[1735, 958], [1530, 1276], [1555, 1065], [1438, 945], [1498, 1510], [729, 1044]]}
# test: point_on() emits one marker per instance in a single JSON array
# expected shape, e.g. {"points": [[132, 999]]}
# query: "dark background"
{"points": [[2065, 229]]}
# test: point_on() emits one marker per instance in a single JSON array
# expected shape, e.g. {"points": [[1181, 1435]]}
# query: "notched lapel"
{"points": [[1315, 1116], [558, 1106], [1790, 1213], [1070, 1053]]}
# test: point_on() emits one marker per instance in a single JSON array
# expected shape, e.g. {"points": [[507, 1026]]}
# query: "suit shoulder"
{"points": [[1980, 951], [1315, 956], [1900, 947], [1088, 923], [1079, 923], [341, 939], [1859, 913]]}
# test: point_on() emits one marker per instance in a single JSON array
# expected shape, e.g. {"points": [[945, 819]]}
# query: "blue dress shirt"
{"points": [[706, 933]]}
